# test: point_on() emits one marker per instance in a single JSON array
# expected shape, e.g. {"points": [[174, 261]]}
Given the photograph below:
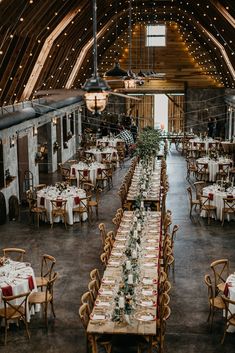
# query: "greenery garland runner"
{"points": [[125, 299]]}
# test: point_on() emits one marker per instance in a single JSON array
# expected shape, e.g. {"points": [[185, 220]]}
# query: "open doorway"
{"points": [[169, 112]]}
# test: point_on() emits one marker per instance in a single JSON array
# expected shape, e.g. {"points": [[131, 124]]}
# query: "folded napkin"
{"points": [[73, 171], [85, 172], [226, 288], [31, 284], [210, 196], [98, 317], [229, 196], [7, 291], [42, 201], [77, 200]]}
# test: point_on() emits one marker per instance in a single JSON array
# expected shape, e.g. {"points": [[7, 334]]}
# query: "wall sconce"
{"points": [[35, 131], [54, 120], [12, 141]]}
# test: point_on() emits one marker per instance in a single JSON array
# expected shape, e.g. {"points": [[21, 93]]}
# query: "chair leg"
{"points": [[5, 336], [52, 308]]}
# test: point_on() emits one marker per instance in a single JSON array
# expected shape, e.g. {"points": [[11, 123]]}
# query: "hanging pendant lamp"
{"points": [[96, 88]]}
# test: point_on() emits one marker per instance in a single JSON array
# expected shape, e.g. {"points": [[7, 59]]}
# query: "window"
{"points": [[156, 36]]}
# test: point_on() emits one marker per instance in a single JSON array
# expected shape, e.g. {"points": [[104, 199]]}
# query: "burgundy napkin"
{"points": [[210, 196], [42, 201], [99, 171], [73, 171], [58, 203], [229, 196], [31, 284], [7, 291], [226, 288], [77, 200], [85, 173]]}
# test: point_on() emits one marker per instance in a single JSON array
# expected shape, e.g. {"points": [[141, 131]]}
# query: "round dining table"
{"points": [[17, 278], [213, 165], [230, 291], [61, 191], [92, 167], [108, 141], [97, 152], [216, 199]]}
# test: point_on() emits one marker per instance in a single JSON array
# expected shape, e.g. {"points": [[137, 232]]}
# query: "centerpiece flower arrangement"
{"points": [[61, 186], [148, 143]]}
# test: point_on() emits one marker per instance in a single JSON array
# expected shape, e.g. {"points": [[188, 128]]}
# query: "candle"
{"points": [[134, 254], [135, 235], [142, 204], [121, 302], [135, 219], [130, 278], [139, 227], [128, 265]]}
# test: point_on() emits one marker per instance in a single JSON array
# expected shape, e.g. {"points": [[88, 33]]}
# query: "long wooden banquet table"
{"points": [[127, 301], [148, 182]]}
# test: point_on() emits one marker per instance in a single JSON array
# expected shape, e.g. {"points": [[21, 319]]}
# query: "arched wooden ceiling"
{"points": [[48, 43]]}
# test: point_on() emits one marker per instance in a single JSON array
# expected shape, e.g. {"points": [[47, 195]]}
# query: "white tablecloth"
{"points": [[69, 194], [111, 141], [97, 152], [218, 199], [17, 278], [195, 143], [83, 166], [231, 293], [213, 165]]}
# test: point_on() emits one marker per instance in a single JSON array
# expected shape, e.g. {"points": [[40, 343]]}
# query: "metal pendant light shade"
{"points": [[96, 88]]}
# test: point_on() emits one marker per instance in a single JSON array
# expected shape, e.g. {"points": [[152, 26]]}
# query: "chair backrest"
{"points": [[47, 265], [173, 234], [202, 167], [58, 206], [229, 204], [94, 274], [110, 238], [103, 232], [220, 269], [84, 175], [87, 298], [104, 258], [92, 286], [16, 254], [224, 168], [50, 286], [84, 315], [199, 185], [211, 294], [17, 305]]}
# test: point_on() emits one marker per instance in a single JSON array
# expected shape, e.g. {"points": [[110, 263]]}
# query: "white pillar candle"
{"points": [[128, 265], [139, 227], [134, 254], [121, 303], [135, 219], [130, 278], [142, 204], [135, 234]]}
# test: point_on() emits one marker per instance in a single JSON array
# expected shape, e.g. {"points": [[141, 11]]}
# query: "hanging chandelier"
{"points": [[96, 96]]}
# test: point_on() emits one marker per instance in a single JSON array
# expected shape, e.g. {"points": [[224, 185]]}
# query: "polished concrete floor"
{"points": [[77, 251]]}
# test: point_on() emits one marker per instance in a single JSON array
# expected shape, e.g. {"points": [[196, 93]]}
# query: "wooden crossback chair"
{"points": [[193, 203], [15, 254], [38, 212], [220, 270], [45, 298], [223, 172], [215, 301], [202, 172], [101, 340], [205, 205], [59, 210], [47, 266], [84, 176], [229, 314], [103, 232], [82, 207], [228, 207], [15, 311]]}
